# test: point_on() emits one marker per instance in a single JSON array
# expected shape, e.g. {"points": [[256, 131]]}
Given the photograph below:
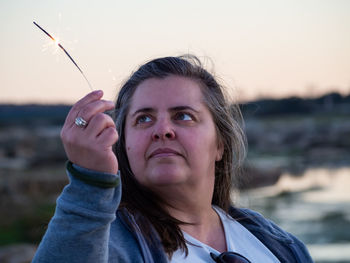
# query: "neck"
{"points": [[204, 223], [190, 203]]}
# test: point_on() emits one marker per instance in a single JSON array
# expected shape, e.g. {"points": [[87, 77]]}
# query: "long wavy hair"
{"points": [[140, 201]]}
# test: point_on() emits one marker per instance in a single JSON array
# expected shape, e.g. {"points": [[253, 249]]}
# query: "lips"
{"points": [[163, 152]]}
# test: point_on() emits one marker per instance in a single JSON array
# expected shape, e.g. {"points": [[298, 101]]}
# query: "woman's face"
{"points": [[170, 134]]}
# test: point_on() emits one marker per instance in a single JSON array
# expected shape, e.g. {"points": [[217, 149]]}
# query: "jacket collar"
{"points": [[150, 250], [256, 223], [267, 232]]}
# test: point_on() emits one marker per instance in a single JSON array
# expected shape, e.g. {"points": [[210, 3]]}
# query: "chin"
{"points": [[166, 177]]}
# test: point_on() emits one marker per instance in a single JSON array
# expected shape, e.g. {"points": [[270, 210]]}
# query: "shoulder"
{"points": [[255, 221], [279, 241]]}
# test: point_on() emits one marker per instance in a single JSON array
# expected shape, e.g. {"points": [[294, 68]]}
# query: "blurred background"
{"points": [[285, 62]]}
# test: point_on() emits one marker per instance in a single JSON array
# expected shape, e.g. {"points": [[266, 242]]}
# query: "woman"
{"points": [[154, 184]]}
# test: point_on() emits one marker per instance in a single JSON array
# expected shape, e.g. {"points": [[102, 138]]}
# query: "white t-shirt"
{"points": [[238, 239]]}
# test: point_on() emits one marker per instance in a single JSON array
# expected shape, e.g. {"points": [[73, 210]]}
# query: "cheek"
{"points": [[204, 138], [136, 146], [131, 148], [133, 156], [204, 143]]}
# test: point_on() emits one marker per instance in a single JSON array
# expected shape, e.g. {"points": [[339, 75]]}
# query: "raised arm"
{"points": [[80, 228]]}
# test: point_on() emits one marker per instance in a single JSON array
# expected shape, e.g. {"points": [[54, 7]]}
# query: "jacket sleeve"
{"points": [[79, 230]]}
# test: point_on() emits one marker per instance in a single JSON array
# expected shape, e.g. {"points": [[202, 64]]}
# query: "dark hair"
{"points": [[144, 203]]}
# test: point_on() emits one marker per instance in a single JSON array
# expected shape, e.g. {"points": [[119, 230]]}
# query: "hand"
{"points": [[91, 146]]}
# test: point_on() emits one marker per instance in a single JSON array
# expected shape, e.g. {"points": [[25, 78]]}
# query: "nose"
{"points": [[163, 130]]}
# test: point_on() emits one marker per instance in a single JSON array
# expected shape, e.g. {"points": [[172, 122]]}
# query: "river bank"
{"points": [[314, 206]]}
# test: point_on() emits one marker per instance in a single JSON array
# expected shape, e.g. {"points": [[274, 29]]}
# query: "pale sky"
{"points": [[260, 48]]}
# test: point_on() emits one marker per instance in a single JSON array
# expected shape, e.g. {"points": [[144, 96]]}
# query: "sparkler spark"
{"points": [[65, 51]]}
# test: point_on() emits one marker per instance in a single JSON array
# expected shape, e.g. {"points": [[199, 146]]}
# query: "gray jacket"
{"points": [[89, 227]]}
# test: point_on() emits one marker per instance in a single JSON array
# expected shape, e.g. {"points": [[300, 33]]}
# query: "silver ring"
{"points": [[79, 121]]}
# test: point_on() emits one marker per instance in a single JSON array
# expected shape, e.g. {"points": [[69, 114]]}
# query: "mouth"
{"points": [[164, 152]]}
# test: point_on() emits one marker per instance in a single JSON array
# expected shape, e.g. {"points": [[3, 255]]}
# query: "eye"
{"points": [[183, 116], [143, 119]]}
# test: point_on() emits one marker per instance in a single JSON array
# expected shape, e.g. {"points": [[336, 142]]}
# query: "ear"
{"points": [[220, 150]]}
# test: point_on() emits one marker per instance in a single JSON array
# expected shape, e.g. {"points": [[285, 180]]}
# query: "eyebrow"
{"points": [[176, 108]]}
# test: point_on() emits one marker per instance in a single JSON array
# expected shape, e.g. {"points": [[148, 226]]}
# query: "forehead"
{"points": [[167, 92]]}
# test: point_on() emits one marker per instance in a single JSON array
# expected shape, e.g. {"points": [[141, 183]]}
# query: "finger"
{"points": [[98, 123], [93, 96], [108, 137], [93, 108]]}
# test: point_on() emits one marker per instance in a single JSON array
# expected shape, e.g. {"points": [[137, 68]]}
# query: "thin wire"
{"points": [[65, 51]]}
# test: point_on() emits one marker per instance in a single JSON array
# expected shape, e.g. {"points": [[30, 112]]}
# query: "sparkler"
{"points": [[65, 51]]}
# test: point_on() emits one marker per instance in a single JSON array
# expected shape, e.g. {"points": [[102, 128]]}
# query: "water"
{"points": [[314, 206]]}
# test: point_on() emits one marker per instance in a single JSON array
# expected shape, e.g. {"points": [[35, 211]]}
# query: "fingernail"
{"points": [[98, 92]]}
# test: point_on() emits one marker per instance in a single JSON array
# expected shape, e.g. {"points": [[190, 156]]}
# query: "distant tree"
{"points": [[294, 105]]}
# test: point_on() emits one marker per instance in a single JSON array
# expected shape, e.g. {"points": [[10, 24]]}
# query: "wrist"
{"points": [[92, 177]]}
